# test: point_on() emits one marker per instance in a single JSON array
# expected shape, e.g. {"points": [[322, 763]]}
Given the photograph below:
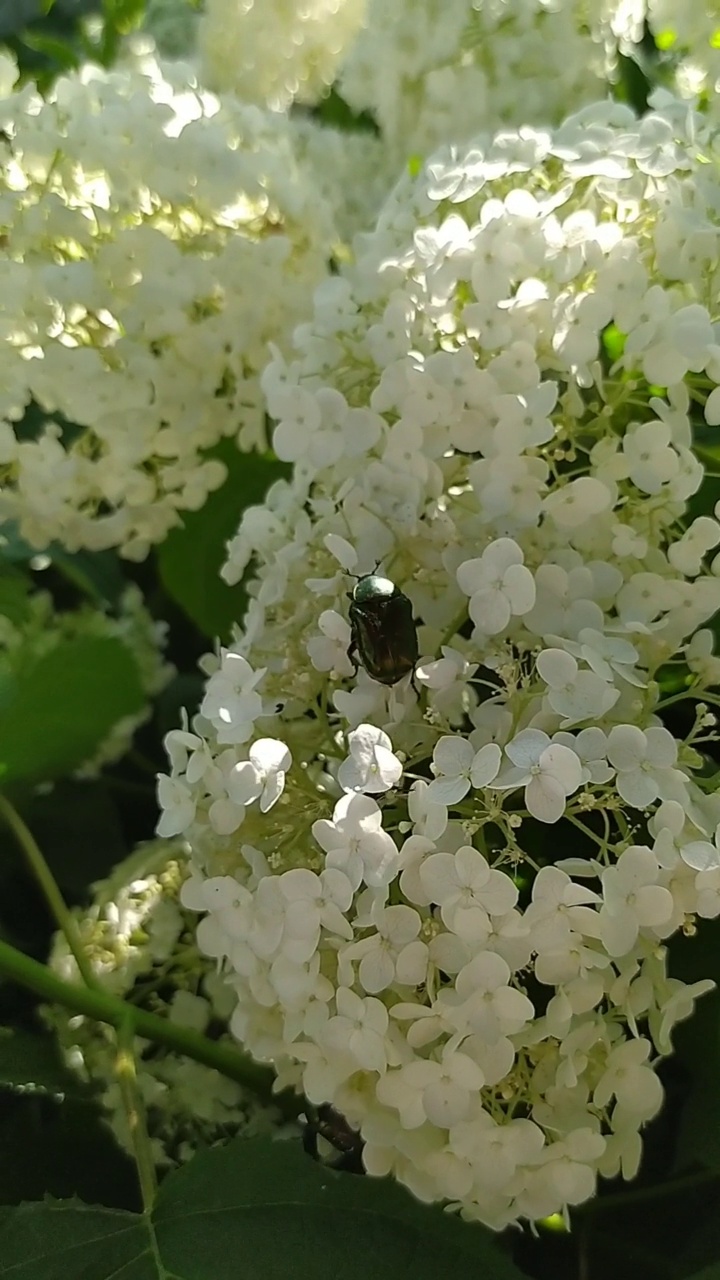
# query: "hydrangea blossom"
{"points": [[156, 238], [435, 71], [275, 51], [138, 937], [510, 311]]}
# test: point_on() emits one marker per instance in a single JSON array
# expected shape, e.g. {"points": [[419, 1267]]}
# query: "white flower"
{"points": [[676, 1004], [701, 855], [231, 702], [483, 1003], [559, 907], [359, 1029], [314, 902], [371, 765], [262, 776], [632, 899], [645, 763], [707, 888], [652, 461], [496, 1150], [499, 585], [355, 842], [178, 805], [440, 1092], [467, 891], [575, 695], [457, 767], [636, 1086], [590, 746], [329, 651], [549, 772], [392, 954], [607, 654], [566, 1175], [428, 818]]}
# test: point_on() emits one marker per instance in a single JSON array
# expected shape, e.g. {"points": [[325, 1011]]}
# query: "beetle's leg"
{"points": [[352, 655]]}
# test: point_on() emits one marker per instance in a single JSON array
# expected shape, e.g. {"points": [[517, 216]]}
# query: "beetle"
{"points": [[327, 1123], [384, 635]]}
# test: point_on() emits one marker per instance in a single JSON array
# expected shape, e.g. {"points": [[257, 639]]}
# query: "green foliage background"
{"points": [[70, 1204]]}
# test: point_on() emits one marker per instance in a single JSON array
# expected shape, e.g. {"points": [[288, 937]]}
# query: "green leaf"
{"points": [[54, 1241], [285, 1215], [60, 52], [256, 1209], [56, 710], [30, 1062], [191, 557], [96, 574], [15, 588]]}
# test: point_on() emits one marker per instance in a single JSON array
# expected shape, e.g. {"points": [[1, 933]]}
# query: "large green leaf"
{"points": [[191, 556], [257, 1210], [56, 710]]}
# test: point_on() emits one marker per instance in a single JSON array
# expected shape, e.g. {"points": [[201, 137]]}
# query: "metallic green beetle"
{"points": [[384, 636]]}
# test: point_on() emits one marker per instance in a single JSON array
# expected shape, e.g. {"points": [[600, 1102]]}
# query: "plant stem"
{"points": [[126, 1074], [48, 885], [104, 1007]]}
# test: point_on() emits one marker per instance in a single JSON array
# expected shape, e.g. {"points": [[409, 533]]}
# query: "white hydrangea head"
{"points": [[274, 52], [476, 407], [437, 71], [139, 943], [352, 171], [156, 239]]}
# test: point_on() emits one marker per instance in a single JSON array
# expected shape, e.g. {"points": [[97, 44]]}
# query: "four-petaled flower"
{"points": [[499, 585], [548, 771], [371, 765]]}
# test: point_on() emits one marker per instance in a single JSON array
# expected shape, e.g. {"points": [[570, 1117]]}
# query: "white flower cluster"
{"points": [[351, 171], [496, 403], [139, 944], [436, 71], [38, 629], [155, 240], [275, 51]]}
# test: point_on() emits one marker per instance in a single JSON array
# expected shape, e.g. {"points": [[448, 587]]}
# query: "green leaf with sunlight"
{"points": [[56, 710], [191, 557]]}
